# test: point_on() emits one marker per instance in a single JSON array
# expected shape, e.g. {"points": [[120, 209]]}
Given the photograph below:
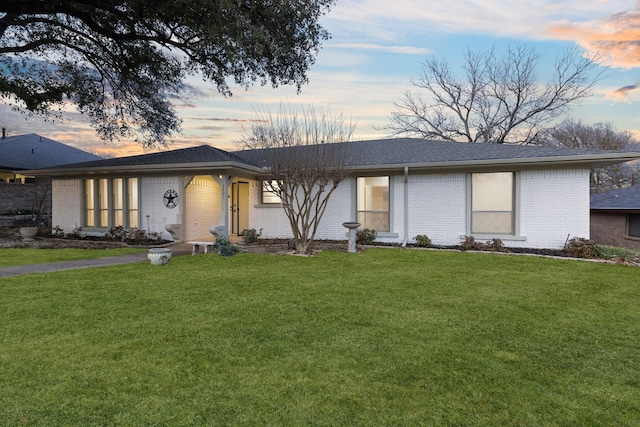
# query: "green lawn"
{"points": [[20, 256], [387, 337]]}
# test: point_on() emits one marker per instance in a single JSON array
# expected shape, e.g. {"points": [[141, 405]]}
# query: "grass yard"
{"points": [[388, 337], [20, 256]]}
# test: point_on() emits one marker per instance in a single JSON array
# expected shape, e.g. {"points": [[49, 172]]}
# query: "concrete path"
{"points": [[176, 250]]}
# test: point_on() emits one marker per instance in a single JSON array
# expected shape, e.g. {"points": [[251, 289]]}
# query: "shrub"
{"points": [[422, 241], [495, 245], [579, 247], [366, 236], [470, 244], [57, 231], [224, 247], [251, 235], [117, 233]]}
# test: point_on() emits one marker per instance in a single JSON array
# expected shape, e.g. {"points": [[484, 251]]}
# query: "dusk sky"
{"points": [[376, 48]]}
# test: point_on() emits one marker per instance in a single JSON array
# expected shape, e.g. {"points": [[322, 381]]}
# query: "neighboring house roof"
{"points": [[620, 199], [31, 151], [386, 154]]}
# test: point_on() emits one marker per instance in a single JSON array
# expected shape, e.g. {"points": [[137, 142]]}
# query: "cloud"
{"points": [[615, 39], [622, 93], [406, 50]]}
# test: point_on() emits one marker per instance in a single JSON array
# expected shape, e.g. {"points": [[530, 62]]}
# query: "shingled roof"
{"points": [[619, 199], [390, 154], [33, 151]]}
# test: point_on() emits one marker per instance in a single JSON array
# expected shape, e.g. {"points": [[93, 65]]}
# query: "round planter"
{"points": [[28, 233], [159, 256]]}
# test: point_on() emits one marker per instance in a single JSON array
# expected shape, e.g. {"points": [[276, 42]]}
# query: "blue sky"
{"points": [[377, 46]]}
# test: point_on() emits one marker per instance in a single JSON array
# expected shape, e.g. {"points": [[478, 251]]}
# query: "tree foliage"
{"points": [[307, 156], [121, 62], [599, 136], [497, 99]]}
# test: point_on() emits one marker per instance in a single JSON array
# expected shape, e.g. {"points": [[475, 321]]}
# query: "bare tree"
{"points": [[599, 136], [307, 156], [497, 100]]}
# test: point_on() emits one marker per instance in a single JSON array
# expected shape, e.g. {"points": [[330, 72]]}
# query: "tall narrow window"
{"points": [[90, 203], [492, 203], [103, 198], [118, 202], [132, 202], [373, 203]]}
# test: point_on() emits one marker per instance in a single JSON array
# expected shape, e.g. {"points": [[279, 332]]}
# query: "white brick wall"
{"points": [[202, 207], [154, 215], [67, 203], [553, 205], [437, 207]]}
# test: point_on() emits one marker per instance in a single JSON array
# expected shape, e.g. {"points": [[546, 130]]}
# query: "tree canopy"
{"points": [[492, 97], [121, 62]]}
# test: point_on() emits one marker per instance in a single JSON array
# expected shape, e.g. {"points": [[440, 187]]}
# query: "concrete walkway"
{"points": [[17, 270]]}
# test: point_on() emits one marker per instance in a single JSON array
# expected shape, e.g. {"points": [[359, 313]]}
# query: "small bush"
{"points": [[495, 245], [470, 244], [366, 236], [251, 235], [579, 247], [224, 247], [57, 231], [422, 241], [117, 233]]}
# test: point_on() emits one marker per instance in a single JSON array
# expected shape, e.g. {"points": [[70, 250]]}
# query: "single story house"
{"points": [[615, 217], [528, 196], [20, 191]]}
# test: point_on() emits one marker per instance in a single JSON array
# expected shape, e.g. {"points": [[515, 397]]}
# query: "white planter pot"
{"points": [[28, 233], [159, 256]]}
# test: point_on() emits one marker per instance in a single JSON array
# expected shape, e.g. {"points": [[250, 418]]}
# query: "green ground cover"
{"points": [[385, 337], [21, 256]]}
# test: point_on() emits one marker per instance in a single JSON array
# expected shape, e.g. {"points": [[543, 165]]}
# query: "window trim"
{"points": [[628, 231], [92, 216], [263, 190], [389, 232], [515, 206]]}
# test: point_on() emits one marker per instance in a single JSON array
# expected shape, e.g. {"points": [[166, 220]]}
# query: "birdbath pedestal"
{"points": [[351, 226]]}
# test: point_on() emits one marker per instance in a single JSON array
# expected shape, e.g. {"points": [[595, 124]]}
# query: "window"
{"points": [[373, 203], [90, 202], [268, 196], [111, 202], [132, 202], [492, 203], [634, 225]]}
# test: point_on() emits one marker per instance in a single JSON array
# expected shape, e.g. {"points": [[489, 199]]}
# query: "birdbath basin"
{"points": [[351, 225]]}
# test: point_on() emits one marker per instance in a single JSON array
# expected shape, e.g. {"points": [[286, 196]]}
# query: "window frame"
{"points": [[101, 191], [514, 206], [271, 195], [636, 223], [389, 199]]}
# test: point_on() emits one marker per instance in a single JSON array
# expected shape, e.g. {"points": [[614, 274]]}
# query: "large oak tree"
{"points": [[122, 61]]}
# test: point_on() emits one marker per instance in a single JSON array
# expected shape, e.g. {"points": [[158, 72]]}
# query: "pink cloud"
{"points": [[615, 39]]}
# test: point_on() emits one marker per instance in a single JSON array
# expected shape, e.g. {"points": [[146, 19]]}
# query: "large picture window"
{"points": [[492, 203], [373, 203], [111, 202]]}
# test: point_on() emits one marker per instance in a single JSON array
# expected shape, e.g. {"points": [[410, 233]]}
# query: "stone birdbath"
{"points": [[351, 226]]}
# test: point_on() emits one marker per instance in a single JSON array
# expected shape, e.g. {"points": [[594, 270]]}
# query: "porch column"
{"points": [[224, 181]]}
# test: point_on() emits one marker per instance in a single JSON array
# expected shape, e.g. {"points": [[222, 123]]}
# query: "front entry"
{"points": [[239, 207]]}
